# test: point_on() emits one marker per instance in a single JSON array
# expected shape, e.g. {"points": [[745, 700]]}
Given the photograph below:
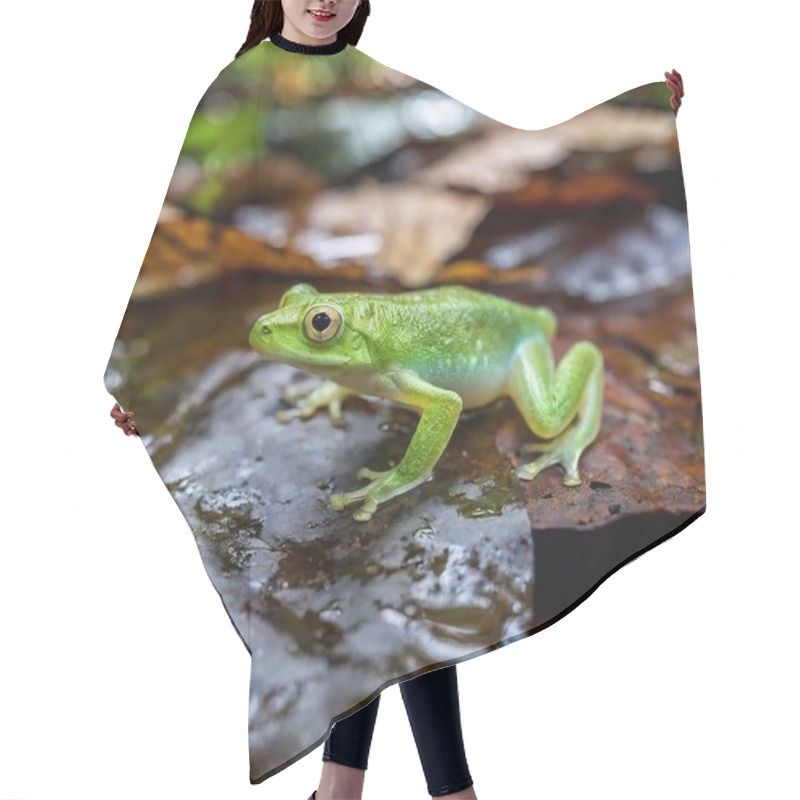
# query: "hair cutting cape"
{"points": [[340, 173]]}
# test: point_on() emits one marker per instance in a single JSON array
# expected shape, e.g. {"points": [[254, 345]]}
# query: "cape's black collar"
{"points": [[308, 49]]}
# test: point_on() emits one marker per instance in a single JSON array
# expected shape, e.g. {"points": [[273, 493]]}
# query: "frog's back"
{"points": [[455, 337], [442, 313]]}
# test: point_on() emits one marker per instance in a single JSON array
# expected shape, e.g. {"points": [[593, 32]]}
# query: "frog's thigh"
{"points": [[549, 400]]}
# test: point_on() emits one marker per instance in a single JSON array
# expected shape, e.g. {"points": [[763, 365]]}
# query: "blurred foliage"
{"points": [[219, 136], [223, 131]]}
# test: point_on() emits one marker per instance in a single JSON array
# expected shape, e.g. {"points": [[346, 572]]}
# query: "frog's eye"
{"points": [[322, 323]]}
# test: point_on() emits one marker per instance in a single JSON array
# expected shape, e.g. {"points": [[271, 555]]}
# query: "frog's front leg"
{"points": [[307, 400], [440, 411], [550, 399]]}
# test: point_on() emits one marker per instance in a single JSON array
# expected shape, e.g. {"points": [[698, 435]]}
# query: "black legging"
{"points": [[431, 701]]}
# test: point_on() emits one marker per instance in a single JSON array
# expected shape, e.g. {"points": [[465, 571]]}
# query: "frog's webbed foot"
{"points": [[300, 389], [383, 486], [565, 450], [308, 397]]}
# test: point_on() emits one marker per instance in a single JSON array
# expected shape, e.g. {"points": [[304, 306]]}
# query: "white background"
{"points": [[120, 673]]}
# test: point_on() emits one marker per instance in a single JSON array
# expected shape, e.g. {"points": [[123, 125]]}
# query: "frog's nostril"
{"points": [[265, 329]]}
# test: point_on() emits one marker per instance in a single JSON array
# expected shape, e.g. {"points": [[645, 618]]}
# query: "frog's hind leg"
{"points": [[550, 399]]}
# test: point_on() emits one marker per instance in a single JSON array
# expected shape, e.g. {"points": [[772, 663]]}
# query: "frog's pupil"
{"points": [[321, 321]]}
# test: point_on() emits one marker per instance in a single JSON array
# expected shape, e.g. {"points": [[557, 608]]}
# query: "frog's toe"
{"points": [[527, 472], [567, 459], [367, 508], [287, 415], [367, 493], [372, 494], [338, 501], [383, 486], [365, 512], [570, 465], [372, 474], [337, 418], [294, 391], [306, 407], [341, 499]]}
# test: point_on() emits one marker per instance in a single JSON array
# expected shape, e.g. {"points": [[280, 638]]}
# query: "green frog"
{"points": [[437, 351]]}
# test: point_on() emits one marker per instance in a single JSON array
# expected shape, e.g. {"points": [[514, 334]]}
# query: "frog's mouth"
{"points": [[306, 360], [301, 359], [321, 364]]}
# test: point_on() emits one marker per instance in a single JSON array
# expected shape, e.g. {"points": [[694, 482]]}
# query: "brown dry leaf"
{"points": [[348, 211], [185, 251], [577, 192], [497, 162], [469, 271], [420, 227], [426, 227]]}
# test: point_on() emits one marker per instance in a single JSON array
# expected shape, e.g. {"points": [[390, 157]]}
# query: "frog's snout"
{"points": [[259, 330]]}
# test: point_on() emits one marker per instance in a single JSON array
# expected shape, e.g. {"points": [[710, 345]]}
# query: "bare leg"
{"points": [[339, 782]]}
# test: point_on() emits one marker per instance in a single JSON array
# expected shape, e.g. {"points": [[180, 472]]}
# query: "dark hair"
{"points": [[266, 18]]}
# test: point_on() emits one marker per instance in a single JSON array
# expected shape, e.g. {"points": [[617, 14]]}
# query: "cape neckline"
{"points": [[308, 49]]}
